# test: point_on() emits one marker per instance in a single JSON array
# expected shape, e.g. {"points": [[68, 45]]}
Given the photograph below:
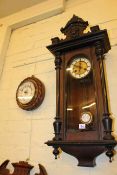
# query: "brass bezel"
{"points": [[75, 59], [91, 117]]}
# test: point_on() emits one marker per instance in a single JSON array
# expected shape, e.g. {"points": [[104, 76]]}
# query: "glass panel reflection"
{"points": [[80, 101]]}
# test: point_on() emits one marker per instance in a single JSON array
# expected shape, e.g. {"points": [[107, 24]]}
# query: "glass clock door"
{"points": [[80, 95]]}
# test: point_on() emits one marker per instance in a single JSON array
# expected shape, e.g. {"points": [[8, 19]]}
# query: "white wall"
{"points": [[23, 133]]}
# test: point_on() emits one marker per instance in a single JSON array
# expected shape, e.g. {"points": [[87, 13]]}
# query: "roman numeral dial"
{"points": [[80, 67]]}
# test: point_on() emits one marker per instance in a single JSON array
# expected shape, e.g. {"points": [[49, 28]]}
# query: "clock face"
{"points": [[30, 93], [80, 67], [86, 117], [26, 92]]}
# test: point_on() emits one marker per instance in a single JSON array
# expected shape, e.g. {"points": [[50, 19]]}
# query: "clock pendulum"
{"points": [[82, 125]]}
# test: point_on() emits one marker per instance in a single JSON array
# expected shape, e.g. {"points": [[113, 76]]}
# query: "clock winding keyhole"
{"points": [[25, 92]]}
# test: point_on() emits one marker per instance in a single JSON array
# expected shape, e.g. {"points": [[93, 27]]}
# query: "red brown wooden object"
{"points": [[20, 168], [3, 169]]}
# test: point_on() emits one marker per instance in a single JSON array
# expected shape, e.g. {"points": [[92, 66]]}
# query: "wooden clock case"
{"points": [[86, 144], [38, 97]]}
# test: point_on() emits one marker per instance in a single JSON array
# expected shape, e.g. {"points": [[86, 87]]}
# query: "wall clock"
{"points": [[83, 124], [30, 93]]}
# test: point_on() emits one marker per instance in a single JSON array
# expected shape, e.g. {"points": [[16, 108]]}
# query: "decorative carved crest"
{"points": [[20, 168], [75, 27]]}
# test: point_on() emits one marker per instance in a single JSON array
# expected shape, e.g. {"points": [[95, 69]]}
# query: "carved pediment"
{"points": [[20, 168], [74, 27]]}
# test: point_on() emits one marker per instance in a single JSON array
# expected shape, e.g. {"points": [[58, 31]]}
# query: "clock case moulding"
{"points": [[84, 147]]}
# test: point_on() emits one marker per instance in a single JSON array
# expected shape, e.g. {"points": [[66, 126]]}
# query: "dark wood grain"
{"points": [[96, 138]]}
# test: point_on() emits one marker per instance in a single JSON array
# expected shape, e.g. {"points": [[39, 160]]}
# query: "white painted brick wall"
{"points": [[23, 133]]}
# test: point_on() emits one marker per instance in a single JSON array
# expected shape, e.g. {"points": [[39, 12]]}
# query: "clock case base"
{"points": [[85, 151]]}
